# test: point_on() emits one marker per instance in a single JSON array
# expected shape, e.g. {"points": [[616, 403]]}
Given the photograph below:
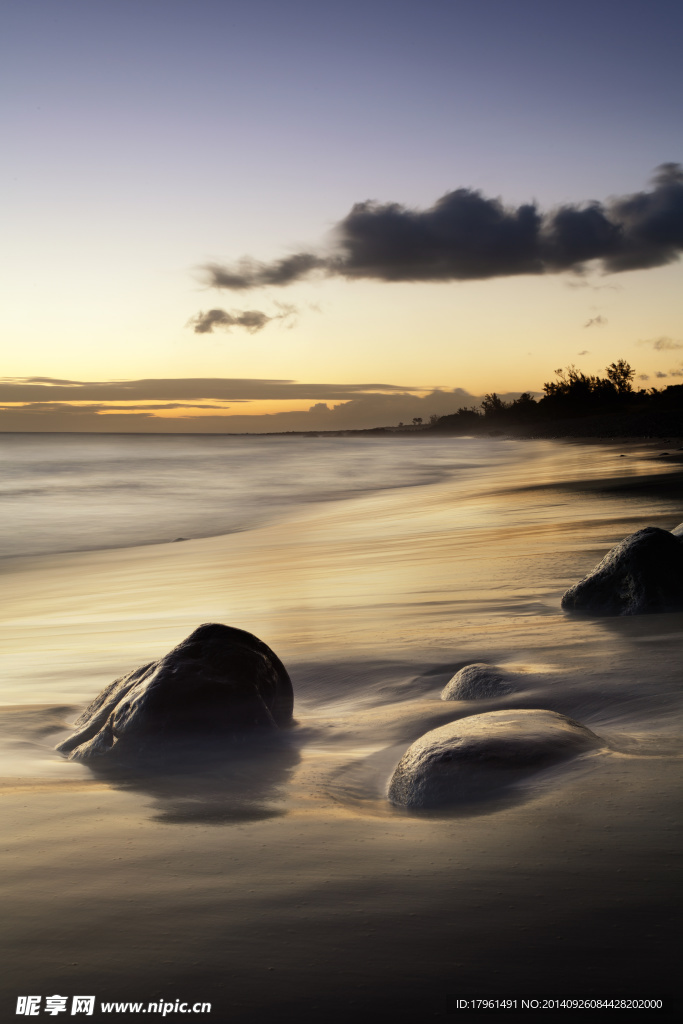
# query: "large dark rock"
{"points": [[643, 573], [479, 757], [218, 683]]}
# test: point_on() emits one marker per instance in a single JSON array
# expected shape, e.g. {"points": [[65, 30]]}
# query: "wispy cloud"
{"points": [[90, 408], [188, 389], [596, 321], [581, 282], [663, 344], [249, 273], [466, 236], [677, 371]]}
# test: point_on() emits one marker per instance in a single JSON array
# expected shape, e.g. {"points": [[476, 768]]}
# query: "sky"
{"points": [[246, 216]]}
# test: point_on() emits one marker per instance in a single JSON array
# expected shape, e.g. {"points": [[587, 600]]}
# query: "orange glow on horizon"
{"points": [[182, 410]]}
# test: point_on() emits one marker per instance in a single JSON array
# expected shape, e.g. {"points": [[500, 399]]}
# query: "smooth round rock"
{"points": [[479, 757], [642, 574], [476, 682], [219, 682]]}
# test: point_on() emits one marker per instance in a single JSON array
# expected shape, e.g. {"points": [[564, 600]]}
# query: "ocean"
{"points": [[375, 567]]}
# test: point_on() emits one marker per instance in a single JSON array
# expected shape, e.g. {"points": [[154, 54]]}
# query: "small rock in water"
{"points": [[220, 682], [474, 682], [478, 757], [643, 573]]}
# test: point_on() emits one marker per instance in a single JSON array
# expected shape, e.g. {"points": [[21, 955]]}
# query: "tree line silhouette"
{"points": [[577, 403]]}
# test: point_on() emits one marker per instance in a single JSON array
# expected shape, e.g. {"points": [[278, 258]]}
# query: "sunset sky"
{"points": [[158, 149]]}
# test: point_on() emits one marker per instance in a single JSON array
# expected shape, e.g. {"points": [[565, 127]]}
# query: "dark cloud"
{"points": [[584, 352], [596, 321], [463, 236], [466, 236], [661, 344], [660, 374], [651, 223], [643, 376], [252, 320]]}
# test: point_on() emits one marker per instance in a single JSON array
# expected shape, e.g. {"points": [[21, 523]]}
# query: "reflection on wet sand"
{"points": [[209, 784]]}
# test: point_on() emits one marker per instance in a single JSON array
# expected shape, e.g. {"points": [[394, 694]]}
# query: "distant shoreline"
{"points": [[588, 429]]}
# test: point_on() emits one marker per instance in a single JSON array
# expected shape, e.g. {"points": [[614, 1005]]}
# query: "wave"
{"points": [[63, 493]]}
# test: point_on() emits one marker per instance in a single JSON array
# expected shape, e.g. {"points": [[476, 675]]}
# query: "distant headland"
{"points": [[575, 404]]}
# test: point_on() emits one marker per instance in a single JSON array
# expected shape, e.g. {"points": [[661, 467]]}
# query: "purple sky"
{"points": [[145, 139]]}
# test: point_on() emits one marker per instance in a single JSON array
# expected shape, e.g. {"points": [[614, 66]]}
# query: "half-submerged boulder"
{"points": [[478, 758], [477, 682], [643, 573], [220, 682]]}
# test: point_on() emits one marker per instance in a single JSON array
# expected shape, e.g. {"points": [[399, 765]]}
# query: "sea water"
{"points": [[75, 492]]}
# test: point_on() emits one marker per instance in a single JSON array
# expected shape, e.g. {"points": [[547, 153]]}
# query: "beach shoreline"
{"points": [[304, 893]]}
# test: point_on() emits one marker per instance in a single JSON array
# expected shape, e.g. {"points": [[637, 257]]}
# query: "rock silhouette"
{"points": [[478, 757], [219, 683], [643, 573]]}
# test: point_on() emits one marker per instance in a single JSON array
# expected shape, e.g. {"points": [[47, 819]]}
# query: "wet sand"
{"points": [[279, 882]]}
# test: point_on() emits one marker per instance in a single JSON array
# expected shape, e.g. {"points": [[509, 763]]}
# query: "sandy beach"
{"points": [[279, 882]]}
